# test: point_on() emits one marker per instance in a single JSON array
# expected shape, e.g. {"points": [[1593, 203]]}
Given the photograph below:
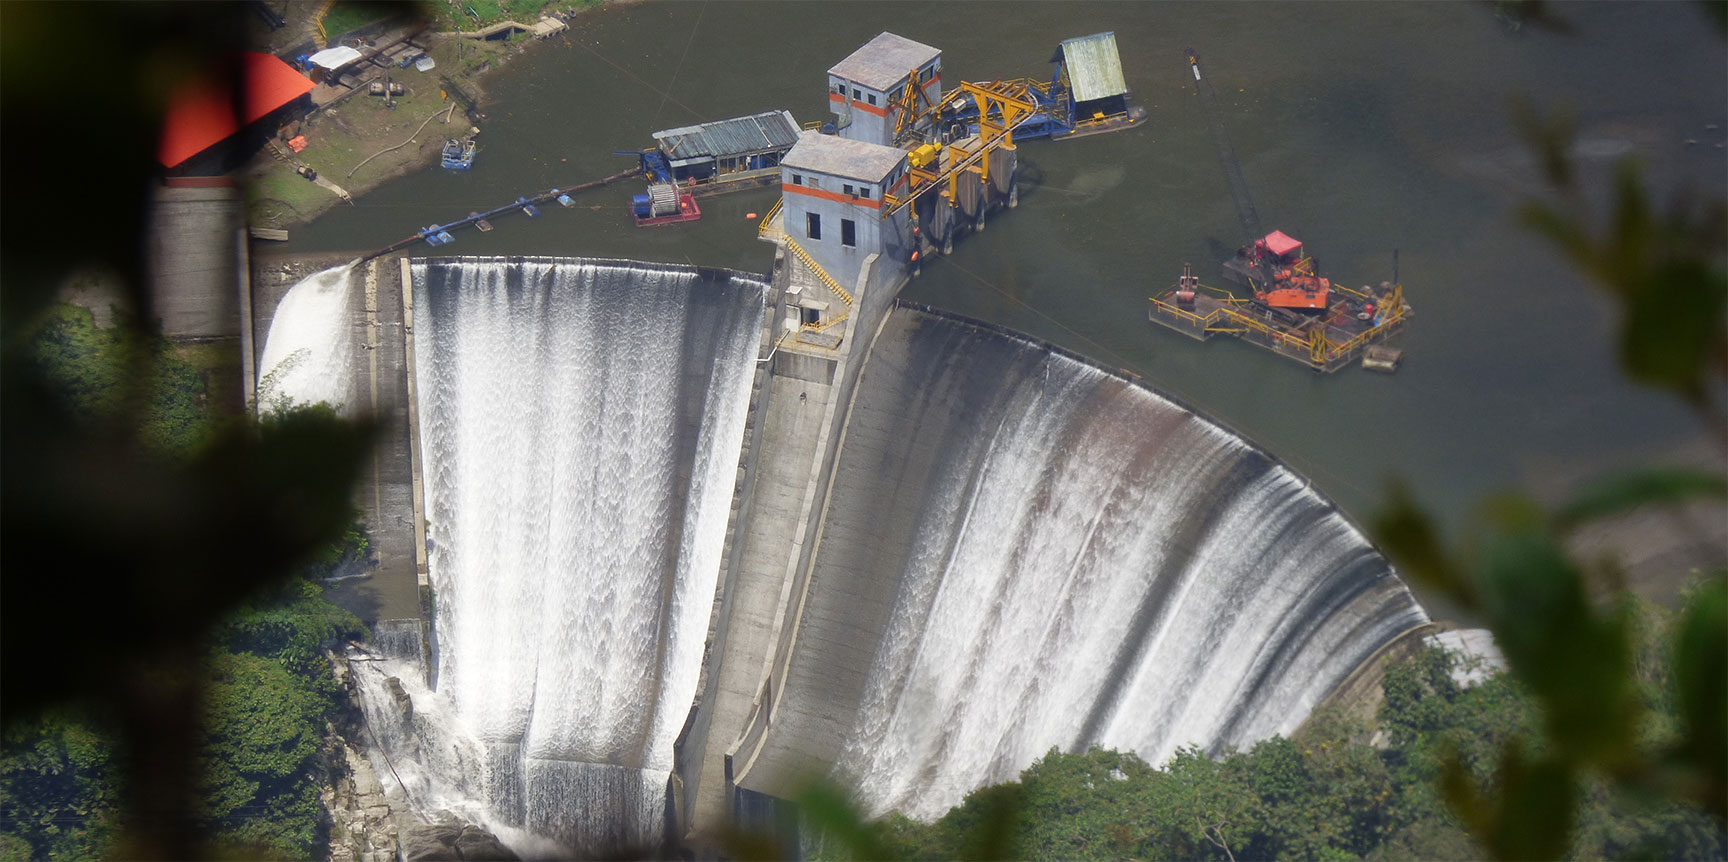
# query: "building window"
{"points": [[927, 74], [797, 180], [848, 233], [871, 98], [809, 316], [846, 188], [864, 192], [856, 95], [813, 226], [840, 88], [814, 183]]}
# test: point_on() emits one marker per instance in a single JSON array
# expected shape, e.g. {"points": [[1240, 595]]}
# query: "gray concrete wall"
{"points": [[888, 238], [776, 752], [380, 391], [870, 312], [195, 261]]}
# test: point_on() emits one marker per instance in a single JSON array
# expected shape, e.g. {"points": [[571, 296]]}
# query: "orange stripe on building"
{"points": [[868, 109], [833, 196]]}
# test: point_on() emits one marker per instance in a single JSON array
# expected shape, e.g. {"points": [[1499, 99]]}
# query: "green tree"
{"points": [[262, 729], [58, 793]]}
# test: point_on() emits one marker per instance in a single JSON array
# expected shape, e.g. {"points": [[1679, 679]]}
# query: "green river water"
{"points": [[1361, 128]]}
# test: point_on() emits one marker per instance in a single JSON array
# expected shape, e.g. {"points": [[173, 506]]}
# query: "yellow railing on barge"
{"points": [[1316, 350]]}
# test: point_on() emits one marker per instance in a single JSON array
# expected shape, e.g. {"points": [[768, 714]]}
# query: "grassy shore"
{"points": [[360, 142]]}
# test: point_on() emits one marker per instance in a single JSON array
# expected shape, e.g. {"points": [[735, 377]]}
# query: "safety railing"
{"points": [[1312, 347], [1105, 120], [318, 20], [821, 274], [824, 327], [768, 220]]}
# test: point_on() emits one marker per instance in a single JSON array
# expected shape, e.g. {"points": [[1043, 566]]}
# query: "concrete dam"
{"points": [[678, 559]]}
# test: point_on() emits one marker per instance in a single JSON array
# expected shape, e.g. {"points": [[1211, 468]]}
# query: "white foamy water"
{"points": [[309, 353], [581, 425], [1092, 564]]}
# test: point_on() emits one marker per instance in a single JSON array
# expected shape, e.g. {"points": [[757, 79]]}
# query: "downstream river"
{"points": [[1361, 128]]}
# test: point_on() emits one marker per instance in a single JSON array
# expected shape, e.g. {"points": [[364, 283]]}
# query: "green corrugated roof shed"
{"points": [[770, 130], [1094, 67]]}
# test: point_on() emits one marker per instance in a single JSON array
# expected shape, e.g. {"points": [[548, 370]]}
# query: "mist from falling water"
{"points": [[309, 353], [580, 425]]}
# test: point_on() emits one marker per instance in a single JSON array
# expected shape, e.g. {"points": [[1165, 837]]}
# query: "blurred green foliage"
{"points": [[267, 688], [268, 693], [1565, 624], [89, 367]]}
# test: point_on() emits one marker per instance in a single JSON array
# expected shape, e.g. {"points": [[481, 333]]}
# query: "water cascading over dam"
{"points": [[309, 352], [1023, 551], [580, 424]]}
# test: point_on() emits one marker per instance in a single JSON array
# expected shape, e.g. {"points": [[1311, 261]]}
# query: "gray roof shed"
{"points": [[884, 61], [770, 130], [1094, 67], [843, 157]]}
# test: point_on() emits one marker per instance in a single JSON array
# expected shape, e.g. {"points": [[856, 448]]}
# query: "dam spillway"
{"points": [[579, 425], [1023, 551], [1013, 550]]}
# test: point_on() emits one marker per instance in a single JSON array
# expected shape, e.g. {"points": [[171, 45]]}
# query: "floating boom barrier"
{"points": [[439, 234]]}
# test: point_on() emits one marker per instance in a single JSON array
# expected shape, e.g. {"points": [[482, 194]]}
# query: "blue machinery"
{"points": [[1086, 95]]}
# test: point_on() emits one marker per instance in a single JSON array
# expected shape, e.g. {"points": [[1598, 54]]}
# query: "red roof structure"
{"points": [[202, 114], [1280, 243]]}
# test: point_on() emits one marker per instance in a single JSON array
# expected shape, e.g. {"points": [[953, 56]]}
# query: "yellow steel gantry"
{"points": [[906, 122], [1002, 105]]}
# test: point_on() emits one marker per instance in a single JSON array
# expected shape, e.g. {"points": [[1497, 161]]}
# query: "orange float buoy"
{"points": [[749, 215]]}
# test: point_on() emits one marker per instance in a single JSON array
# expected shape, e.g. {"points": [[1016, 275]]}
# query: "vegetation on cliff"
{"points": [[268, 690]]}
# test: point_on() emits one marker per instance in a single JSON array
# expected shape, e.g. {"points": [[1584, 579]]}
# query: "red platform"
{"points": [[687, 211]]}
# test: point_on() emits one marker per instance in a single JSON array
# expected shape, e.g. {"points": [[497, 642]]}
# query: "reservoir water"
{"points": [[566, 667], [1361, 128]]}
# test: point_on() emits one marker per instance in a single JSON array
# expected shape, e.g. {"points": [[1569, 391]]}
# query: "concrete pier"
{"points": [[384, 496]]}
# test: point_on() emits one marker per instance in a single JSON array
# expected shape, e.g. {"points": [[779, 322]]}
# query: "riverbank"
{"points": [[361, 141]]}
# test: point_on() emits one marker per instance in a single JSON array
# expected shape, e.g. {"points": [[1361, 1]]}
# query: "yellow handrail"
{"points": [[318, 19], [820, 327], [768, 219], [1321, 349], [821, 273]]}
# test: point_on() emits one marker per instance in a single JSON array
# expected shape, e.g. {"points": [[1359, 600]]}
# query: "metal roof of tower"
{"points": [[770, 130], [884, 61], [1094, 66], [843, 157]]}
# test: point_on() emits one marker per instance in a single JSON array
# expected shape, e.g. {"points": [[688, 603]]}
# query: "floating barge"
{"points": [[722, 156], [458, 154], [1324, 339]]}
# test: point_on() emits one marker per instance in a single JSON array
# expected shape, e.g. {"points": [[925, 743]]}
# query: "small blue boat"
{"points": [[458, 154], [528, 208], [565, 200]]}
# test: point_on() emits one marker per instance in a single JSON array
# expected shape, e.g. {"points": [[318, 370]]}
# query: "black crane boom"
{"points": [[1226, 154]]}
